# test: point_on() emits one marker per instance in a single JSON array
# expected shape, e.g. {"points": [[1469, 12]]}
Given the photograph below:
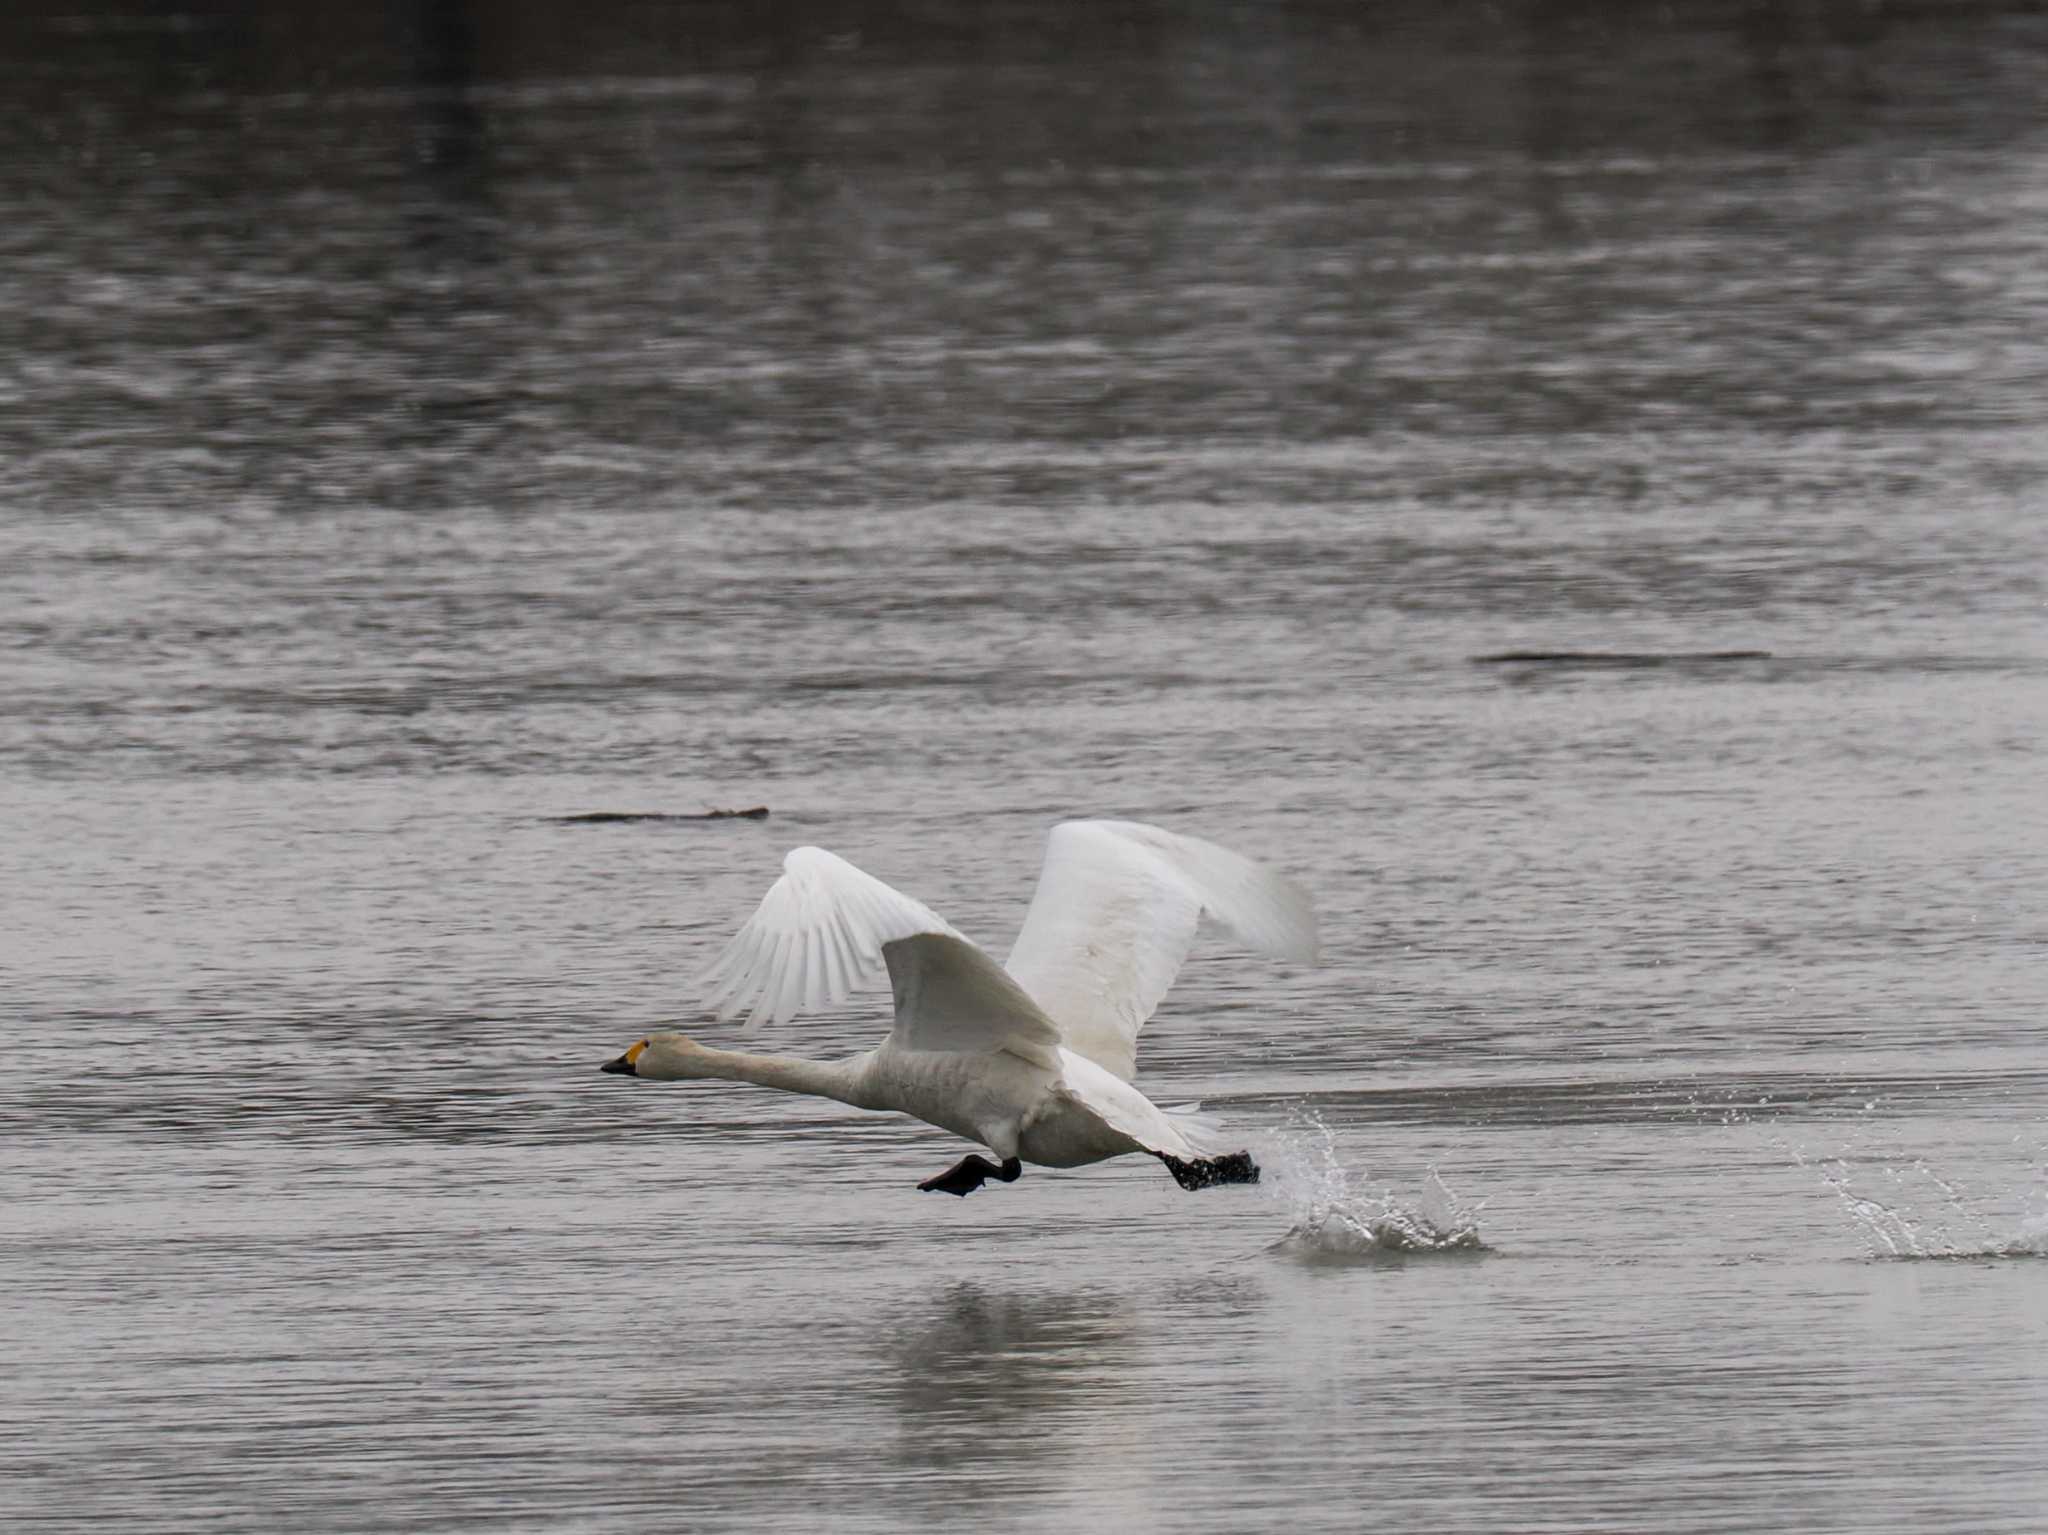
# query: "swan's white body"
{"points": [[1033, 1060]]}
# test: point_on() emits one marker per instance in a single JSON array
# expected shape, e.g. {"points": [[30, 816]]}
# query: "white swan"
{"points": [[1033, 1061]]}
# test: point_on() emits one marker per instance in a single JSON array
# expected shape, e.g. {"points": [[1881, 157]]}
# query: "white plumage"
{"points": [[1115, 914], [1033, 1060]]}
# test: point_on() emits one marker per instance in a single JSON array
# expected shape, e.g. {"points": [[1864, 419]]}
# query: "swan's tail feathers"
{"points": [[1204, 1135], [1218, 1156], [1207, 1172]]}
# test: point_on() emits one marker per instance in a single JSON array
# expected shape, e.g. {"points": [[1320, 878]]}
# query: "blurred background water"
{"points": [[420, 423]]}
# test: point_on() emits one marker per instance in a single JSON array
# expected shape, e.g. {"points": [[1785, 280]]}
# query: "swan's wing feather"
{"points": [[1106, 932], [826, 927], [950, 995], [1113, 918], [776, 965]]}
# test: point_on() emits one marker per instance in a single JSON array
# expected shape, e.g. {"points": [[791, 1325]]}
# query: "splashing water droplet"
{"points": [[1955, 1226], [1332, 1223]]}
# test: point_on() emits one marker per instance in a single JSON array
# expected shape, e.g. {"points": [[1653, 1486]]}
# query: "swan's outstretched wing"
{"points": [[1115, 914], [825, 928]]}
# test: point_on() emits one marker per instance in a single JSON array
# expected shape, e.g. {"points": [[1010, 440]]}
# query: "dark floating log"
{"points": [[619, 817], [1616, 657]]}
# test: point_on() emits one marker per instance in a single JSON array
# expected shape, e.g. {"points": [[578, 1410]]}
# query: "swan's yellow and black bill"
{"points": [[623, 1066]]}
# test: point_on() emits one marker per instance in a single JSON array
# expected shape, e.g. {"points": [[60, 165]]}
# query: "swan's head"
{"points": [[663, 1056]]}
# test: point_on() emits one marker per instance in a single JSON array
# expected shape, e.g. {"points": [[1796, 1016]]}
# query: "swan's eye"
{"points": [[633, 1054]]}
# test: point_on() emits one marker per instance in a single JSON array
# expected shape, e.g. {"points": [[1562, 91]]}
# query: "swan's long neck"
{"points": [[791, 1074]]}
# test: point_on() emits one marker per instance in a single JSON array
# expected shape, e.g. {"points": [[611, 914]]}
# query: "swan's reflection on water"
{"points": [[995, 1396], [1007, 1382], [990, 1351]]}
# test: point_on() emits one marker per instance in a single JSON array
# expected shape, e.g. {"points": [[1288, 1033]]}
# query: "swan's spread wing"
{"points": [[952, 996], [1115, 914], [817, 934], [825, 928]]}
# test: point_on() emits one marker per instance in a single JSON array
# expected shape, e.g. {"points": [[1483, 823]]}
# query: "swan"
{"points": [[1032, 1059]]}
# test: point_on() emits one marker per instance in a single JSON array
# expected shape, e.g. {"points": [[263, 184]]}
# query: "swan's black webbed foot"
{"points": [[969, 1173], [1204, 1172]]}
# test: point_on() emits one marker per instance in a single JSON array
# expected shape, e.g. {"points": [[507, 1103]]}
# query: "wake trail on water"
{"points": [[1335, 1222]]}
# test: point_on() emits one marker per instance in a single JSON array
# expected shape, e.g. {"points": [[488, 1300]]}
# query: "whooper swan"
{"points": [[1033, 1061]]}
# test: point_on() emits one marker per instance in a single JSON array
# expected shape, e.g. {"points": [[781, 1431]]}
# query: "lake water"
{"points": [[421, 425]]}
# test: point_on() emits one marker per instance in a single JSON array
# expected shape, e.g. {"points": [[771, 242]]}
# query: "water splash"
{"points": [[1335, 1223], [1927, 1215]]}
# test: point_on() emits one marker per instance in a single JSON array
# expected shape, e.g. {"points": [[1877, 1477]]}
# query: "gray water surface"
{"points": [[422, 425]]}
